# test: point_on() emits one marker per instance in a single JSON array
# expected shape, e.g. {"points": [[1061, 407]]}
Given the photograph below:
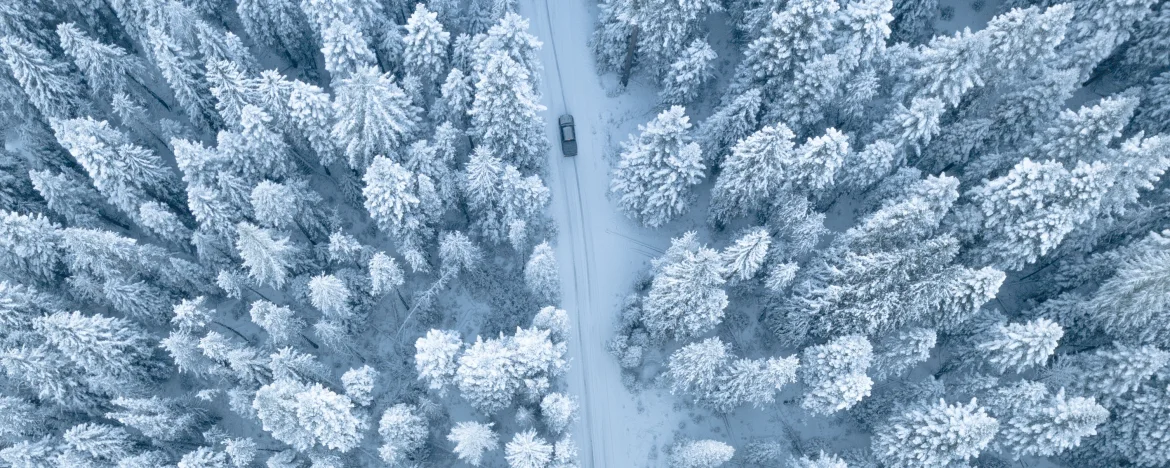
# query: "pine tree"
{"points": [[694, 369], [281, 323], [753, 381], [403, 431], [541, 274], [1015, 229], [799, 33], [404, 204], [1036, 423], [700, 454], [753, 174], [425, 55], [934, 435], [435, 358], [455, 98], [181, 71], [895, 355], [373, 116], [684, 80], [312, 113], [329, 417], [232, 90], [505, 113], [913, 127], [835, 374], [500, 197], [950, 66], [107, 347], [528, 450], [107, 68], [31, 454], [331, 296], [359, 384], [509, 36], [385, 274], [99, 442], [615, 26], [730, 124], [345, 49], [658, 169], [1025, 39], [30, 246], [279, 24], [486, 375], [39, 369], [267, 257], [1096, 30], [1019, 346], [51, 86], [127, 174], [472, 439], [1117, 370], [1135, 428], [163, 419], [686, 298], [744, 259]]}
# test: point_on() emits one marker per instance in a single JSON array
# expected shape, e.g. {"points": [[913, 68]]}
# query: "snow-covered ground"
{"points": [[598, 261]]}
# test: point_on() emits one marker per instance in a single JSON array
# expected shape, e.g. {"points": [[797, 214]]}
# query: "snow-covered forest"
{"points": [[798, 233]]}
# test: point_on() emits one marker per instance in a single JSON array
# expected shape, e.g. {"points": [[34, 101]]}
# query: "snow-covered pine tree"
{"points": [[1028, 212], [753, 174], [1034, 422], [1019, 346], [658, 169], [472, 439], [51, 86], [403, 431], [528, 450], [694, 369], [744, 259], [426, 42], [688, 74], [835, 374], [686, 298], [436, 357], [404, 204], [505, 113], [268, 257], [541, 273], [107, 68], [934, 435], [753, 381], [373, 116], [700, 454]]}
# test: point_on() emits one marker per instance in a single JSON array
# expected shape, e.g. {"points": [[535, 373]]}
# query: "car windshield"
{"points": [[567, 132]]}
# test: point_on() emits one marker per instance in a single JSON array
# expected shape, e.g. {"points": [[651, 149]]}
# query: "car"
{"points": [[568, 135]]}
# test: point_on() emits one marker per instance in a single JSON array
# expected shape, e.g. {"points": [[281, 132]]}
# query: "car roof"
{"points": [[566, 118]]}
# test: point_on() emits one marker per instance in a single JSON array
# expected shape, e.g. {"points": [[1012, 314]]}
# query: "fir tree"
{"points": [[744, 259], [753, 381], [280, 322], [895, 355], [404, 204], [835, 374], [267, 257], [1036, 423], [279, 24], [694, 368], [1016, 231], [181, 70], [345, 49], [359, 384], [107, 68], [163, 419], [1021, 345]]}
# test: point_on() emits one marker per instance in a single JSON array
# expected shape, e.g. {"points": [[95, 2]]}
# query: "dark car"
{"points": [[568, 135]]}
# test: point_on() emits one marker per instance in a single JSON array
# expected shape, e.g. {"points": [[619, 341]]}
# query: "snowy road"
{"points": [[599, 251]]}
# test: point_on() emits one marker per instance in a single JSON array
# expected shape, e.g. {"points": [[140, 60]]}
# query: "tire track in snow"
{"points": [[593, 448]]}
